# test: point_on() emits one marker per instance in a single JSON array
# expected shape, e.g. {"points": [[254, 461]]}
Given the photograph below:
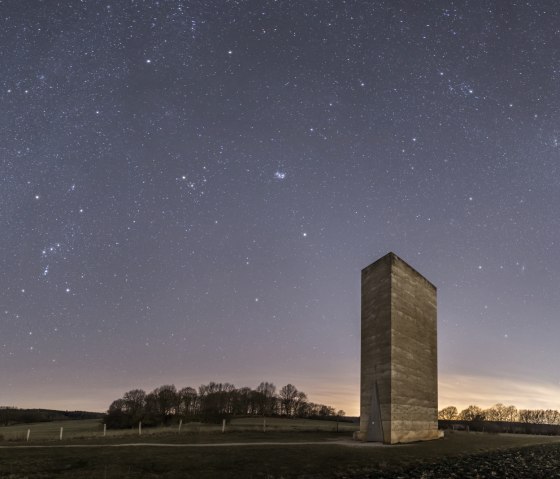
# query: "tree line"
{"points": [[500, 412], [13, 415], [212, 402]]}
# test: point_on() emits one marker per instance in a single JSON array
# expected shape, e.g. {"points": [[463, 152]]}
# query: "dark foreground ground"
{"points": [[458, 455], [531, 462]]}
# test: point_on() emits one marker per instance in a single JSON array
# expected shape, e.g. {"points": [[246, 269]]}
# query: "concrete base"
{"points": [[406, 437], [402, 437]]}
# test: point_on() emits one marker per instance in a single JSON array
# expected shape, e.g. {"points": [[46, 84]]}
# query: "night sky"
{"points": [[189, 190]]}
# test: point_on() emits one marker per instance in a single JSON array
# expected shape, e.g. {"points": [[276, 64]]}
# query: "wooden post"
{"points": [[104, 430], [61, 429], [139, 428], [180, 424], [28, 434], [223, 426], [264, 424]]}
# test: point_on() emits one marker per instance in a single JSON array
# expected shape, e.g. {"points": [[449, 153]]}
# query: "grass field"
{"points": [[45, 431], [93, 428], [182, 460]]}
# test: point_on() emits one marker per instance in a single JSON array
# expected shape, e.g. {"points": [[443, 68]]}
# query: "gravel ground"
{"points": [[542, 462]]}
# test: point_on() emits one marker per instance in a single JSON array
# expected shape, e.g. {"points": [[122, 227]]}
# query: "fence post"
{"points": [[264, 424], [139, 428], [28, 434], [104, 430], [223, 426], [180, 424], [61, 429]]}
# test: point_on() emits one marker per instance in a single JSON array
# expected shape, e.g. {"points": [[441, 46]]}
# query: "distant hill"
{"points": [[12, 415]]}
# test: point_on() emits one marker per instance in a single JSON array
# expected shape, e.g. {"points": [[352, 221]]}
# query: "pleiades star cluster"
{"points": [[189, 190]]}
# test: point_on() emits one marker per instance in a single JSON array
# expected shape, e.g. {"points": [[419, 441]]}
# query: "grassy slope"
{"points": [[90, 428], [246, 461]]}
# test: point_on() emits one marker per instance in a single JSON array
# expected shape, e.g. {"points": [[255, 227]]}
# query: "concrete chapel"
{"points": [[398, 391]]}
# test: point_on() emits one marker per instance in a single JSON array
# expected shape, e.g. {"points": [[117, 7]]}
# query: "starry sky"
{"points": [[189, 190]]}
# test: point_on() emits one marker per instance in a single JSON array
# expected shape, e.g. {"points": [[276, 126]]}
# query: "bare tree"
{"points": [[510, 413], [300, 405], [288, 398], [266, 398], [213, 401], [243, 401], [448, 413], [472, 413], [117, 415], [188, 400], [135, 404], [552, 416], [163, 402], [525, 415]]}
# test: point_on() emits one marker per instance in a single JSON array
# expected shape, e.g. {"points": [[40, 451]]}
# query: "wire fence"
{"points": [[94, 428]]}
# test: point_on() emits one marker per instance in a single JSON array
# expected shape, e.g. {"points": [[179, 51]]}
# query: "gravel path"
{"points": [[535, 462]]}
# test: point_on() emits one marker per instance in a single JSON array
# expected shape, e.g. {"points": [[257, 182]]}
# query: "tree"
{"points": [[188, 402], [341, 413], [117, 416], [499, 412], [243, 401], [216, 400], [288, 397], [552, 416], [164, 403], [300, 408], [326, 411], [135, 404], [448, 413], [212, 402], [493, 413], [539, 416], [265, 399], [472, 413], [526, 416], [511, 413]]}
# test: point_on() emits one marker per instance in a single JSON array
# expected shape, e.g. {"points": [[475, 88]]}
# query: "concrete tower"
{"points": [[399, 354]]}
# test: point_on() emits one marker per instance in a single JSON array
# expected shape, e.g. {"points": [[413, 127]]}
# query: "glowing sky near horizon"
{"points": [[189, 190]]}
